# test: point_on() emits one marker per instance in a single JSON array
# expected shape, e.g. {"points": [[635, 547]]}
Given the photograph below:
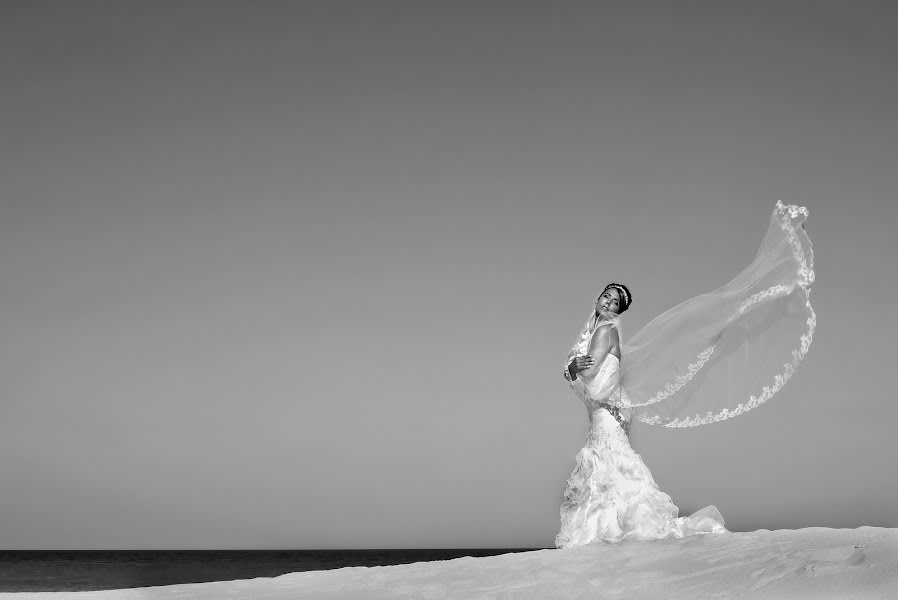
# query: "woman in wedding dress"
{"points": [[611, 495], [696, 364]]}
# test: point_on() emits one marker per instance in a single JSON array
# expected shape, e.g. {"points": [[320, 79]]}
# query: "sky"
{"points": [[304, 274]]}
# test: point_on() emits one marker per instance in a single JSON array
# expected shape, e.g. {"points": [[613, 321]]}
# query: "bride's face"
{"points": [[609, 301]]}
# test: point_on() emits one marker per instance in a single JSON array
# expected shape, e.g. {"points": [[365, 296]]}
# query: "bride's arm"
{"points": [[602, 342]]}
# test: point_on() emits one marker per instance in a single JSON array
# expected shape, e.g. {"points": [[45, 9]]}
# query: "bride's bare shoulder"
{"points": [[606, 333], [608, 329], [605, 340]]}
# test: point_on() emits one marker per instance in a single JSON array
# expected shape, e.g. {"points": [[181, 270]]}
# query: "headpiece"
{"points": [[625, 298]]}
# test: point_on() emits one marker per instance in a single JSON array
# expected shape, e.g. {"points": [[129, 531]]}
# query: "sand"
{"points": [[806, 563]]}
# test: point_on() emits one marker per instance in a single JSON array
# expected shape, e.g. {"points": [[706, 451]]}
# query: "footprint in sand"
{"points": [[809, 562], [829, 565]]}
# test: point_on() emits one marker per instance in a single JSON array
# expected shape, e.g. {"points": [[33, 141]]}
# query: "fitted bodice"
{"points": [[601, 387], [605, 402]]}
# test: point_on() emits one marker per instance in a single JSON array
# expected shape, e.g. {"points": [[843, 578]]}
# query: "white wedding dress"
{"points": [[611, 495]]}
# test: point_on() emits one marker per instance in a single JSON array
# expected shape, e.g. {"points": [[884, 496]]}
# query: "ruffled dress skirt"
{"points": [[611, 495]]}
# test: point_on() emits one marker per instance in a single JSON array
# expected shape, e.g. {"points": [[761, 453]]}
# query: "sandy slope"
{"points": [[805, 563]]}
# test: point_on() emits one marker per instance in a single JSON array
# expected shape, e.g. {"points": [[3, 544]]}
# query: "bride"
{"points": [[707, 359]]}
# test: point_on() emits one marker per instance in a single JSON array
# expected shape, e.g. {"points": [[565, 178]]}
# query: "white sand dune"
{"points": [[806, 563]]}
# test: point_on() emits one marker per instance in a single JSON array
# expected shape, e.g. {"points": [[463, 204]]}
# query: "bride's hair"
{"points": [[626, 298]]}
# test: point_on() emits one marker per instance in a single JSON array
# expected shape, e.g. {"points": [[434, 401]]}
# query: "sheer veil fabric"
{"points": [[725, 352]]}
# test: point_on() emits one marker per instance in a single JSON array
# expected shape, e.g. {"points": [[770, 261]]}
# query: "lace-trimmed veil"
{"points": [[723, 353]]}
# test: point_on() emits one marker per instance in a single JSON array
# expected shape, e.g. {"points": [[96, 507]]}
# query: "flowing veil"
{"points": [[723, 353]]}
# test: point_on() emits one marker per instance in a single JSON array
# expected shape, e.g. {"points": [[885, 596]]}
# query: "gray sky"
{"points": [[303, 275]]}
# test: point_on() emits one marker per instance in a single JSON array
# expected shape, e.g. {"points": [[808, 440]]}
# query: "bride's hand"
{"points": [[580, 363]]}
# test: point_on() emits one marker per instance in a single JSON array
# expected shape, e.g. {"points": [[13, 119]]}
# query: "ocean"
{"points": [[83, 570]]}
